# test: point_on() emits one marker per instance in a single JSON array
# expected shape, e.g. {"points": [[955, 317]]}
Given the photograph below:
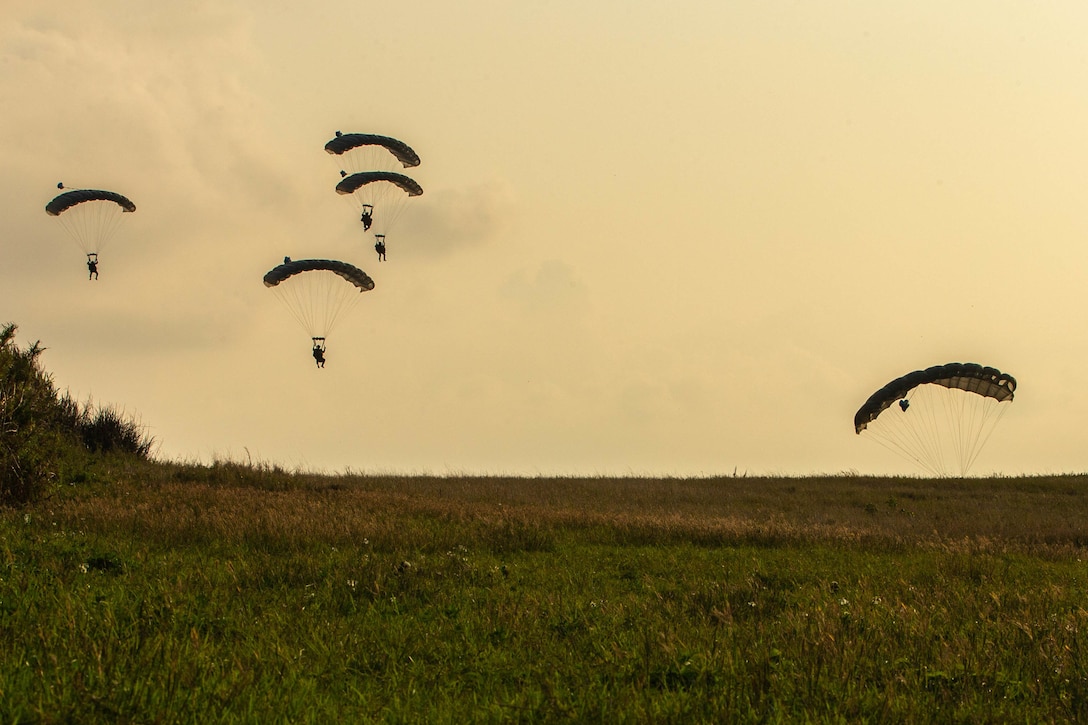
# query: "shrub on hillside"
{"points": [[107, 430], [44, 434]]}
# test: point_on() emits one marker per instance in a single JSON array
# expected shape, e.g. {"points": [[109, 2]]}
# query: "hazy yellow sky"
{"points": [[673, 238]]}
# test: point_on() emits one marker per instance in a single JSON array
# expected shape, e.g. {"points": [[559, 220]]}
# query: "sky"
{"points": [[679, 239]]}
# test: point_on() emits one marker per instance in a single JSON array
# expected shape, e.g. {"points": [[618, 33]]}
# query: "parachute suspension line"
{"points": [[906, 437], [921, 429], [338, 297], [316, 300], [296, 303], [91, 224], [943, 430], [970, 416], [352, 201], [910, 433], [976, 419], [898, 448], [934, 429], [991, 416], [960, 415], [949, 426], [947, 413]]}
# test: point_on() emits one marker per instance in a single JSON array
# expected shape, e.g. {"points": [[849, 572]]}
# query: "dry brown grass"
{"points": [[232, 502]]}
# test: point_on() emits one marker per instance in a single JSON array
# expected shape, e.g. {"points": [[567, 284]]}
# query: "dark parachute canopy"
{"points": [[355, 182], [318, 291], [68, 199], [971, 377], [945, 414], [349, 272], [343, 143], [90, 216]]}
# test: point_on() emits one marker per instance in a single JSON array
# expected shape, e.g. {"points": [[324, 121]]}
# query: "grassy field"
{"points": [[228, 593]]}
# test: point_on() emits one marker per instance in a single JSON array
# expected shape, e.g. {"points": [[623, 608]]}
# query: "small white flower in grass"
{"points": [[83, 568], [843, 602], [352, 583]]}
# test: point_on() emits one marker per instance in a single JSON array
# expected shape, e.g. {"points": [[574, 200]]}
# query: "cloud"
{"points": [[450, 219], [140, 99], [552, 289]]}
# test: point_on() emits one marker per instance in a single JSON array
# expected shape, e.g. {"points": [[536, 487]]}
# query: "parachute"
{"points": [[367, 163], [361, 180], [90, 216], [369, 152], [382, 194], [943, 415], [317, 291]]}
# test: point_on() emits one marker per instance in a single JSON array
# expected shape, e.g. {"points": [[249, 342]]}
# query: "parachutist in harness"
{"points": [[904, 404], [319, 351], [368, 216], [379, 246], [92, 266], [286, 260]]}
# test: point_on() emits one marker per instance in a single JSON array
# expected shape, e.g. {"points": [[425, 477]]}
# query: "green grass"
{"points": [[181, 593]]}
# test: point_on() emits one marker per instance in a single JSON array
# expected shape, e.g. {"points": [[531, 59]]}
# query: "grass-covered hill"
{"points": [[158, 591], [47, 438]]}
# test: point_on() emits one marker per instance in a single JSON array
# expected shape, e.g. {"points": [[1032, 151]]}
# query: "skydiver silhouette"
{"points": [[379, 246], [319, 351], [367, 217], [92, 266], [904, 404], [286, 260]]}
